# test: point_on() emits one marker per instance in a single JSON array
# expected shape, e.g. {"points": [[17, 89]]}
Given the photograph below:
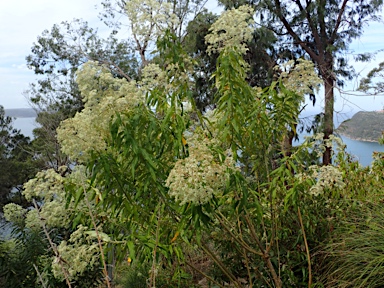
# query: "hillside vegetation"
{"points": [[364, 126]]}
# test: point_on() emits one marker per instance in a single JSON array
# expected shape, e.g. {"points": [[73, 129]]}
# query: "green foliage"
{"points": [[373, 83], [178, 198], [354, 255], [322, 38], [17, 258], [17, 162]]}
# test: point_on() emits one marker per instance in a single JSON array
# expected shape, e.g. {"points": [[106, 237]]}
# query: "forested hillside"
{"points": [[364, 126], [164, 157]]}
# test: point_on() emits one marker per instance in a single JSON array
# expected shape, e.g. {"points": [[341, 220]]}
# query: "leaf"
{"points": [[131, 248]]}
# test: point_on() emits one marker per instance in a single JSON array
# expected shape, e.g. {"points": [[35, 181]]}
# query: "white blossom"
{"points": [[77, 254], [233, 29], [326, 177], [200, 176]]}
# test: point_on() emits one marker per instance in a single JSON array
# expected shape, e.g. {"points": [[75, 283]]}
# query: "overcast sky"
{"points": [[21, 21]]}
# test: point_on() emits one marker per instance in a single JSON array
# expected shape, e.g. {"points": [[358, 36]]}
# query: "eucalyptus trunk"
{"points": [[327, 74]]}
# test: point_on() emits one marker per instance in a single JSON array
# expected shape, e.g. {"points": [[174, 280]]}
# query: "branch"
{"points": [[306, 248], [296, 38], [221, 265], [310, 22], [98, 238], [121, 72], [266, 257], [341, 12], [59, 260], [205, 275]]}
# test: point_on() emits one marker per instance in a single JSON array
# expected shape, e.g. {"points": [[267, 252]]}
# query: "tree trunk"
{"points": [[328, 110]]}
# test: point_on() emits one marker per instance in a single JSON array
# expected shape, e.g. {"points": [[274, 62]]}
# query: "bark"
{"points": [[329, 80]]}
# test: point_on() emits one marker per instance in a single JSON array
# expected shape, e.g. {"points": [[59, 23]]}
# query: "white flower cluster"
{"points": [[300, 78], [326, 177], [232, 29], [200, 176], [48, 187], [169, 79], [153, 77], [103, 96], [14, 213], [79, 253], [149, 18], [319, 145]]}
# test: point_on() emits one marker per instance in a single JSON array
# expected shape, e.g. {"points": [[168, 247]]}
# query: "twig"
{"points": [[205, 275], [221, 265], [153, 273], [265, 256], [245, 255], [40, 277], [98, 239], [306, 248], [237, 238], [59, 260]]}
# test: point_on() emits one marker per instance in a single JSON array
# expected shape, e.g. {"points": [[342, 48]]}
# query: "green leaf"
{"points": [[131, 248]]}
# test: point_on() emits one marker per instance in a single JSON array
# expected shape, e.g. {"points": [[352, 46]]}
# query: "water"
{"points": [[25, 125], [360, 150]]}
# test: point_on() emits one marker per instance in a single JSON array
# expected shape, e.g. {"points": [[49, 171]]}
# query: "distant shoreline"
{"points": [[359, 139], [21, 113]]}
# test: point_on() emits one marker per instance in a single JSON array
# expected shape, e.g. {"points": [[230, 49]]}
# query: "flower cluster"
{"points": [[14, 213], [318, 144], [201, 175], [80, 253], [326, 177], [232, 29], [47, 186], [149, 18], [103, 97], [300, 77]]}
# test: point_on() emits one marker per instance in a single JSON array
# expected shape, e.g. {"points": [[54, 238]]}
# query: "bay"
{"points": [[360, 150], [25, 125]]}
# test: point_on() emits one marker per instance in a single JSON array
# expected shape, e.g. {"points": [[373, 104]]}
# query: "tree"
{"points": [[322, 30], [373, 83], [189, 197], [57, 55], [261, 56], [17, 163]]}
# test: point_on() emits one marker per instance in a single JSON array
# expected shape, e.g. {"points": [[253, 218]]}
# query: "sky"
{"points": [[22, 21]]}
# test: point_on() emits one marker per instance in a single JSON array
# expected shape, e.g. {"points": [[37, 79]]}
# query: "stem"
{"points": [[265, 256], [236, 238], [40, 277], [153, 274], [245, 255], [105, 271], [221, 266], [306, 248], [205, 275], [59, 260]]}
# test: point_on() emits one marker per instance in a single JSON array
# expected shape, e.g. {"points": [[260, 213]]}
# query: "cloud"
{"points": [[21, 22]]}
